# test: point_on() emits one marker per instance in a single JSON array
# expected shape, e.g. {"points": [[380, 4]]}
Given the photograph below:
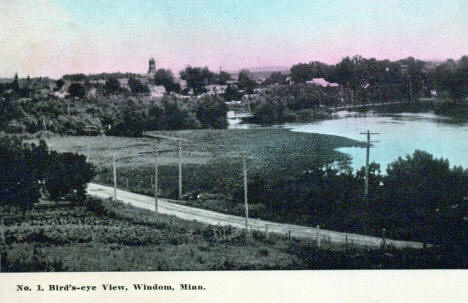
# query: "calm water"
{"points": [[400, 134]]}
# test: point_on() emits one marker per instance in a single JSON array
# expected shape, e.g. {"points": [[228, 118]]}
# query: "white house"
{"points": [[322, 82], [157, 90]]}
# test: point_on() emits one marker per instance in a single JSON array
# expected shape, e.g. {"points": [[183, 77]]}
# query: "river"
{"points": [[399, 134]]}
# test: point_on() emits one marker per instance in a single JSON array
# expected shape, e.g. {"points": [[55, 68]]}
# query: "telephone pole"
{"points": [[366, 178], [115, 177], [156, 169], [246, 204], [156, 182], [180, 170]]}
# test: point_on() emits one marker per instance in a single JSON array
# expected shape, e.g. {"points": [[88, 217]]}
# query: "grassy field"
{"points": [[201, 146], [208, 155], [110, 236]]}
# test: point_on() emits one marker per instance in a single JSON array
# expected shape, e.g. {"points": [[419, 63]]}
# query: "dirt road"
{"points": [[215, 218]]}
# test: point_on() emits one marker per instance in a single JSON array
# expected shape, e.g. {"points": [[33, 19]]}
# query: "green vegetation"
{"points": [[110, 236], [361, 81], [374, 80], [293, 178], [29, 171], [165, 78], [111, 115], [78, 234], [292, 103]]}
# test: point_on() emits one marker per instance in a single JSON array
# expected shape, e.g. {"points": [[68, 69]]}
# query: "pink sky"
{"points": [[48, 38]]}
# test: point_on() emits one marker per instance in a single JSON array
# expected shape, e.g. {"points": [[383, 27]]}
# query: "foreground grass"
{"points": [[111, 236]]}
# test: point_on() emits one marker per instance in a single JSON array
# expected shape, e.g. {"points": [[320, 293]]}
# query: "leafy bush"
{"points": [[26, 170], [68, 173], [18, 185]]}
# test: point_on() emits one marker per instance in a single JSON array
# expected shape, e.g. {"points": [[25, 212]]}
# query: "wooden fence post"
{"points": [[318, 236], [3, 241], [383, 239]]}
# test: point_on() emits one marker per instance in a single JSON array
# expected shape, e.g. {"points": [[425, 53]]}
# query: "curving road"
{"points": [[215, 218]]}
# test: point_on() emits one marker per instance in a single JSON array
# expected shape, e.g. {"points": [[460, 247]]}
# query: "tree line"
{"points": [[29, 172], [404, 79], [112, 115], [420, 198]]}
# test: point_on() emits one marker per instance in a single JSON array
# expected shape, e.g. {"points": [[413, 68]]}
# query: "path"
{"points": [[215, 218]]}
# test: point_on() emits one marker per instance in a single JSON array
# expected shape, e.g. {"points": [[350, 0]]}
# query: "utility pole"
{"points": [[156, 182], [115, 178], [156, 169], [246, 205], [366, 178], [180, 170]]}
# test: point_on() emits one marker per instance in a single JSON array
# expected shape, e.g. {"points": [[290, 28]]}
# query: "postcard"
{"points": [[232, 151]]}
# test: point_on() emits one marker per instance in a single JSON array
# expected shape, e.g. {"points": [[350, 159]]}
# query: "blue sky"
{"points": [[52, 37]]}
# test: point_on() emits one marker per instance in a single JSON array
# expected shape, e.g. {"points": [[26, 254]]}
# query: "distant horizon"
{"points": [[251, 69], [51, 38]]}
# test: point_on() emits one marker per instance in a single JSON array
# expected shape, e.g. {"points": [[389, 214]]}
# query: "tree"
{"points": [[15, 84], [68, 173], [76, 90], [232, 93], [276, 77], [137, 87], [222, 78], [59, 84], [268, 110], [75, 77], [155, 117], [244, 81], [456, 80], [301, 72], [18, 186], [132, 121], [419, 188], [211, 111], [165, 78], [177, 115], [112, 86], [197, 78]]}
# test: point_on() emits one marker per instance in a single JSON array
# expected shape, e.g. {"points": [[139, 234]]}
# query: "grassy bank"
{"points": [[208, 155], [111, 236]]}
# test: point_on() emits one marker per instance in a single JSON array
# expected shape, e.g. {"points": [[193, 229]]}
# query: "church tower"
{"points": [[152, 67]]}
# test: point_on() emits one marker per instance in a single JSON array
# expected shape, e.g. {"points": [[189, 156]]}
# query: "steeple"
{"points": [[152, 67]]}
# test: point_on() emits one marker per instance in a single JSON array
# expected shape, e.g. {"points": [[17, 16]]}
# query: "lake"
{"points": [[399, 134]]}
